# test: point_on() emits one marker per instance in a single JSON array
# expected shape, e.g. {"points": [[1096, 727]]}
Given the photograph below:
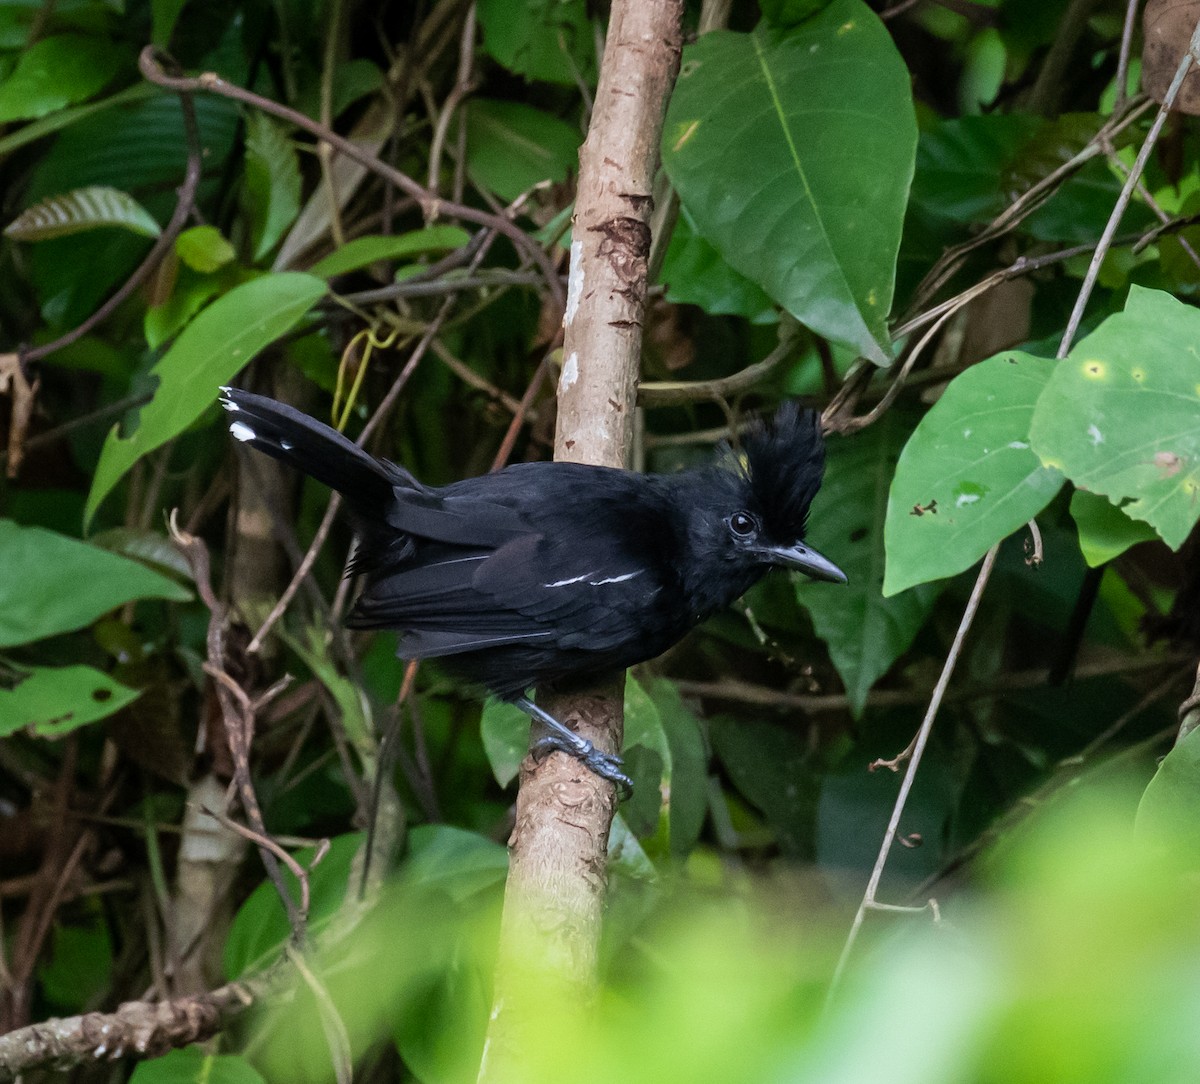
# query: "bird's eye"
{"points": [[743, 524]]}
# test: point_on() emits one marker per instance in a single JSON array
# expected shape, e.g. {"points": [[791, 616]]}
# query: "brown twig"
{"points": [[741, 692], [431, 204], [237, 710], [913, 754]]}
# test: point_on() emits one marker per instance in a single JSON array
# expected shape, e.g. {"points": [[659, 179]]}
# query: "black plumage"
{"points": [[548, 573]]}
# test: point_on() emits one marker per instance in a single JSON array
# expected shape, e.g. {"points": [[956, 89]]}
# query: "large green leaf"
{"points": [[52, 583], [967, 478], [793, 150], [1121, 415], [210, 352], [53, 700], [56, 72], [864, 631], [511, 147]]}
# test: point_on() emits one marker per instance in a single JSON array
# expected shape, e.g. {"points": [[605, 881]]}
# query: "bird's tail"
{"points": [[319, 451]]}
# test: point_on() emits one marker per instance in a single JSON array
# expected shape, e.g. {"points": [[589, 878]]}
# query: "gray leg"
{"points": [[564, 739]]}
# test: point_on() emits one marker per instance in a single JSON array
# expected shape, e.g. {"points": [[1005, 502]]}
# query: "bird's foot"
{"points": [[606, 765], [563, 739]]}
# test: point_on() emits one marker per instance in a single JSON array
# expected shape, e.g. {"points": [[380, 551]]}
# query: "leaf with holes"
{"points": [[967, 478], [209, 352], [83, 209], [824, 114], [53, 700], [1121, 415], [864, 631]]}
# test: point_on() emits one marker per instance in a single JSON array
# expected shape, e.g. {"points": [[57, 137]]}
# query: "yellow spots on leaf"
{"points": [[872, 299], [845, 28], [687, 132], [1095, 370]]}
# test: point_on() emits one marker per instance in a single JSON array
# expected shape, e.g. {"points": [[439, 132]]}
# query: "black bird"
{"points": [[548, 573]]}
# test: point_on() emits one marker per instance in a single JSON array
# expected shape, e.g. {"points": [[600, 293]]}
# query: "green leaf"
{"points": [[194, 1065], [52, 583], [1170, 804], [191, 292], [353, 706], [511, 147], [363, 251], [696, 274], [824, 112], [271, 190], [551, 40], [505, 731], [83, 209], [56, 72], [687, 803], [789, 12], [64, 118], [78, 967], [967, 478], [770, 764], [55, 700], [454, 861], [203, 249], [647, 758], [211, 350], [961, 164], [1105, 532], [164, 14], [1121, 415], [260, 928], [864, 631]]}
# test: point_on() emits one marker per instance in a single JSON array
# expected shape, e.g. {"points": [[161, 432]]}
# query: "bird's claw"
{"points": [[606, 765]]}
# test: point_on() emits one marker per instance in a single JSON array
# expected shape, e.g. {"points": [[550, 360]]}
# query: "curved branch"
{"points": [[431, 203]]}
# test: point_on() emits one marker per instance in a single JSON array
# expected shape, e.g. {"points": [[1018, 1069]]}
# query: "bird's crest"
{"points": [[783, 463]]}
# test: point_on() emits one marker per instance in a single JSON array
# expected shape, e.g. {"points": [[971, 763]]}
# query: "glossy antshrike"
{"points": [[549, 573]]}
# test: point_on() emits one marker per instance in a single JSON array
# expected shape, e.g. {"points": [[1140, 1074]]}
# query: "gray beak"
{"points": [[804, 559]]}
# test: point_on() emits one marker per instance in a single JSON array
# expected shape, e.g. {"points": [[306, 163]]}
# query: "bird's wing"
{"points": [[567, 557], [456, 521], [585, 581]]}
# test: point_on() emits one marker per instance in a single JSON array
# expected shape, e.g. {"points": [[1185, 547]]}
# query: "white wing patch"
{"points": [[615, 579]]}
